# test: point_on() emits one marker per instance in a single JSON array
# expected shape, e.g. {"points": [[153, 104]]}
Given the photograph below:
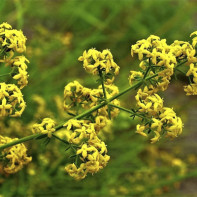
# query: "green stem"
{"points": [[84, 114], [190, 81], [180, 71], [126, 110], [19, 141], [147, 70], [183, 62], [102, 82], [4, 74], [64, 141], [80, 116]]}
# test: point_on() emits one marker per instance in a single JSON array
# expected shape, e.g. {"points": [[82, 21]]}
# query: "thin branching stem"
{"points": [[102, 82], [85, 113], [126, 110]]}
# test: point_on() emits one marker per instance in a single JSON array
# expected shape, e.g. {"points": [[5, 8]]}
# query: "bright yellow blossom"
{"points": [[15, 156], [47, 126], [12, 103]]}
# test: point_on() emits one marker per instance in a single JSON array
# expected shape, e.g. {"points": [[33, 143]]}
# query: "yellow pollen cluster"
{"points": [[47, 126], [14, 157]]}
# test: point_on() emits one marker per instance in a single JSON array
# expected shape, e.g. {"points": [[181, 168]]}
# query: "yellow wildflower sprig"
{"points": [[80, 116], [158, 62], [157, 56]]}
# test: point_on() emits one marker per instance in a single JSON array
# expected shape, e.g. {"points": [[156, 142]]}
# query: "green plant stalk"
{"points": [[84, 114], [181, 63], [126, 110], [102, 82], [80, 116], [3, 75], [19, 141]]}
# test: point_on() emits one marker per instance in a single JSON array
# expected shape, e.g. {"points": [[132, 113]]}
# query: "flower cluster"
{"points": [[12, 43], [20, 70], [191, 89], [11, 98], [78, 97], [47, 126], [77, 130], [157, 56], [92, 153], [12, 39], [158, 119], [13, 158], [159, 61], [94, 61], [93, 157]]}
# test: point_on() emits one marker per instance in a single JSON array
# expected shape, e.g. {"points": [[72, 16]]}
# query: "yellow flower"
{"points": [[19, 62], [73, 123], [4, 26], [12, 103], [140, 130], [85, 149], [16, 156], [77, 173], [93, 60], [3, 90], [191, 89], [193, 33], [77, 130], [150, 104], [156, 138], [14, 39], [156, 124], [47, 126], [100, 122], [93, 155], [134, 75], [5, 108], [194, 39], [192, 71]]}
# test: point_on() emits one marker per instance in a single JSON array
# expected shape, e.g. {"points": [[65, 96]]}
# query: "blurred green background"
{"points": [[58, 31]]}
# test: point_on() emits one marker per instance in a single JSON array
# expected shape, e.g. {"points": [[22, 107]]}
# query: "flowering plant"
{"points": [[91, 110]]}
